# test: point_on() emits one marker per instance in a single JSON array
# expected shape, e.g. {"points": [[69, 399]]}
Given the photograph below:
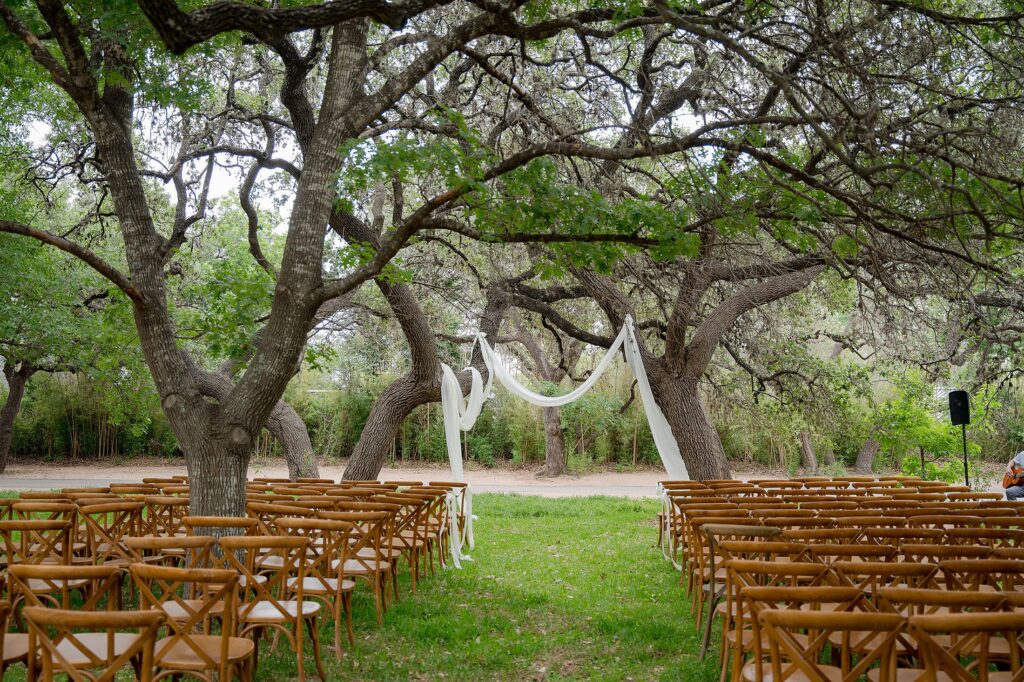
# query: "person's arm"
{"points": [[1009, 465]]}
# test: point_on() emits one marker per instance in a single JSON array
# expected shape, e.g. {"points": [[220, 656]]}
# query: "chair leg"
{"points": [[314, 636], [712, 603], [300, 651], [348, 618]]}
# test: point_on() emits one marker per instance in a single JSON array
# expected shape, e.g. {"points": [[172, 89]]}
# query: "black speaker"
{"points": [[959, 408]]}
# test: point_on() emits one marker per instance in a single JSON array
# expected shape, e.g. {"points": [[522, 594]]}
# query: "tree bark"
{"points": [[828, 456], [866, 456], [16, 381], [290, 430], [807, 456], [554, 439], [699, 442], [393, 405]]}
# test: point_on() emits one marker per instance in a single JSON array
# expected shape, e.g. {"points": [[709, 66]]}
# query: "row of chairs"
{"points": [[294, 559], [852, 533]]}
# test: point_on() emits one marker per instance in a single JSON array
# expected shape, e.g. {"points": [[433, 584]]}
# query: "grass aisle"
{"points": [[560, 589]]}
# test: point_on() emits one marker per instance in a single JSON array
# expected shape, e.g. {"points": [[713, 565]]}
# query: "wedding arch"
{"points": [[461, 412]]}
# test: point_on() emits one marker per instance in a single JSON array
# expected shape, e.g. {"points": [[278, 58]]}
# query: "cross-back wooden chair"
{"points": [[961, 647], [267, 514], [88, 657], [325, 579], [990, 537], [106, 525], [193, 551], [164, 514], [898, 536], [997, 575], [368, 528], [737, 627], [13, 648], [937, 552], [815, 536], [56, 586], [831, 610], [871, 576], [190, 599], [714, 590], [828, 554], [268, 603]]}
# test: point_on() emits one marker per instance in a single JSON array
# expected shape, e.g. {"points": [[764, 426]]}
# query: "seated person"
{"points": [[1015, 492]]}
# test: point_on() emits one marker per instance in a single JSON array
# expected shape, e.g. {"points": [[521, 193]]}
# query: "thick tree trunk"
{"points": [[698, 440], [554, 438], [807, 456], [828, 456], [290, 430], [16, 381], [866, 456], [216, 481]]}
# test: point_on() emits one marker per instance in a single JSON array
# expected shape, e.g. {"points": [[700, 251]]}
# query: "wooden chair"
{"points": [[190, 599], [325, 579], [104, 650], [164, 514], [798, 625], [53, 586], [193, 551], [738, 631], [996, 575], [106, 525], [13, 647], [716, 584], [367, 531], [961, 647], [874, 635], [268, 603]]}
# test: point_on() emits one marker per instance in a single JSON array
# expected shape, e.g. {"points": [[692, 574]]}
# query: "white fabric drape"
{"points": [[461, 412]]}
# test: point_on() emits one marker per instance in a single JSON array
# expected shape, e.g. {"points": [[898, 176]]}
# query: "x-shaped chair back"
{"points": [[107, 524], [36, 541], [51, 628], [965, 653], [190, 598]]}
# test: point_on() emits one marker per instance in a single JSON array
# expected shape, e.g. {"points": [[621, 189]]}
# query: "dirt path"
{"points": [[23, 476]]}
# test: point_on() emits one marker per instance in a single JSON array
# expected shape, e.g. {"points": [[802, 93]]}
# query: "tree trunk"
{"points": [[394, 404], [554, 459], [866, 456], [16, 381], [807, 456], [290, 430], [216, 481], [698, 440], [828, 456]]}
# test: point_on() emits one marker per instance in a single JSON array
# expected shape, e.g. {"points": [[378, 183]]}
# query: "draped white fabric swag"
{"points": [[461, 412]]}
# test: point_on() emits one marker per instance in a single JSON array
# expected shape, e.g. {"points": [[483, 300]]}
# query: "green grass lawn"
{"points": [[559, 589]]}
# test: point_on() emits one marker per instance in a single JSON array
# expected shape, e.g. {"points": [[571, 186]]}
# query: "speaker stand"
{"points": [[967, 477]]}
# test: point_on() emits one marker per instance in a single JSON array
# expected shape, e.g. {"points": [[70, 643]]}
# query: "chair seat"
{"points": [[178, 612], [316, 585], [363, 567], [270, 561], [176, 653], [15, 647], [38, 586], [96, 643], [267, 612], [387, 552]]}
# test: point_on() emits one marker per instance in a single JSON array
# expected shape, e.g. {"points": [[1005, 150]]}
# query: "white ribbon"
{"points": [[461, 412]]}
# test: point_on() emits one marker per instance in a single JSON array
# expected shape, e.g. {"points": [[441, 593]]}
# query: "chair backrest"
{"points": [[52, 585], [873, 635], [193, 551], [915, 602], [211, 525], [190, 598], [240, 554], [107, 524], [36, 541], [961, 645], [870, 576], [50, 627], [164, 514], [976, 574], [267, 514], [329, 547]]}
